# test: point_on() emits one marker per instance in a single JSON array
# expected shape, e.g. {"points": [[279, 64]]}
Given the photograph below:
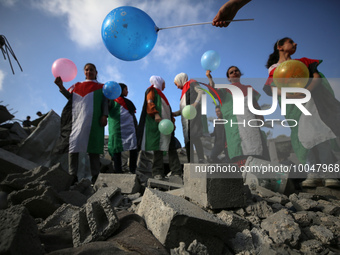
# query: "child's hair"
{"points": [[232, 67], [122, 86], [274, 57], [90, 64]]}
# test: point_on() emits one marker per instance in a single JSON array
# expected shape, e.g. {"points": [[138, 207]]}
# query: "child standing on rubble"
{"points": [[243, 140], [122, 130], [313, 139], [156, 107], [82, 122]]}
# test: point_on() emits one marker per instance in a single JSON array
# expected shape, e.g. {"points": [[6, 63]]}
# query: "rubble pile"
{"points": [[41, 213]]}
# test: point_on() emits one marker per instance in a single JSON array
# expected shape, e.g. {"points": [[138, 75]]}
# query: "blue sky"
{"points": [[41, 31]]}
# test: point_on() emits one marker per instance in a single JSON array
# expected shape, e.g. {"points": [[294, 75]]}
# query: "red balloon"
{"points": [[64, 68]]}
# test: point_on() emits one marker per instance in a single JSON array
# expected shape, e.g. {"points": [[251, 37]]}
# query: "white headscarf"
{"points": [[157, 82], [181, 79]]}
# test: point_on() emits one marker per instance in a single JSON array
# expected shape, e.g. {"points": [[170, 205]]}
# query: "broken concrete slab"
{"points": [[84, 186], [17, 130], [19, 232], [60, 218], [163, 184], [11, 163], [128, 183], [112, 193], [133, 235], [73, 197], [55, 176], [56, 239], [38, 147], [173, 219], [3, 200], [41, 201], [95, 221], [211, 191]]}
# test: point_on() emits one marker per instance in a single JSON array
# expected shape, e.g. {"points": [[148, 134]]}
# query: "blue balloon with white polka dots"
{"points": [[112, 90], [129, 33]]}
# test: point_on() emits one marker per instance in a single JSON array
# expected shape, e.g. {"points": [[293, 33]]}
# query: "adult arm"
{"points": [[228, 12]]}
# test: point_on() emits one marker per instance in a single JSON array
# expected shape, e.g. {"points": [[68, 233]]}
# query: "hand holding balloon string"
{"points": [[59, 82], [227, 12], [158, 118]]}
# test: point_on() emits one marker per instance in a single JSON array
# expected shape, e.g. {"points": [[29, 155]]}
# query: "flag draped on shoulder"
{"points": [[322, 125], [80, 120], [242, 139], [122, 126], [191, 128], [149, 137]]}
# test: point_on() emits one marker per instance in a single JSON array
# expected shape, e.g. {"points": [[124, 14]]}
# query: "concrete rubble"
{"points": [[41, 213]]}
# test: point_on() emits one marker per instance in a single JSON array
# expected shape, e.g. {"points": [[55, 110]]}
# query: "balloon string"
{"points": [[202, 23]]}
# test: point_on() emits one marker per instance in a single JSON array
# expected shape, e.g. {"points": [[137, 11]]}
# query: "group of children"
{"points": [[88, 111]]}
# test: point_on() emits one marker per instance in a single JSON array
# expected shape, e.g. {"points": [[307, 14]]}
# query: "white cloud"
{"points": [[8, 3], [85, 17], [111, 73], [2, 77]]}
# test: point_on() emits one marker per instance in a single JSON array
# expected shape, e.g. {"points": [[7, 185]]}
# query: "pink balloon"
{"points": [[64, 68]]}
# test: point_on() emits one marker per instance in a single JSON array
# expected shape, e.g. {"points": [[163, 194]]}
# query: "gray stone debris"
{"points": [[42, 139], [19, 232], [134, 214], [193, 248], [56, 177], [210, 191], [60, 218], [41, 201], [172, 219], [11, 163], [113, 193], [95, 221], [282, 228], [127, 183]]}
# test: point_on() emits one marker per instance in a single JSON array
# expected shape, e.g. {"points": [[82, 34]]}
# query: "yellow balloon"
{"points": [[291, 73]]}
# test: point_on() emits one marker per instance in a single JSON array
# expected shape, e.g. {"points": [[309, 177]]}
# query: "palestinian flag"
{"points": [[192, 129], [242, 139], [122, 126], [150, 139], [80, 120], [322, 125]]}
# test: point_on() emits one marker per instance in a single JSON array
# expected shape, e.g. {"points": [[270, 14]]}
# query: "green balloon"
{"points": [[166, 127], [189, 112]]}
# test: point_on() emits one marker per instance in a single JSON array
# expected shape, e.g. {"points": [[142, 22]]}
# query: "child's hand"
{"points": [[208, 73], [59, 82], [157, 118], [103, 121]]}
